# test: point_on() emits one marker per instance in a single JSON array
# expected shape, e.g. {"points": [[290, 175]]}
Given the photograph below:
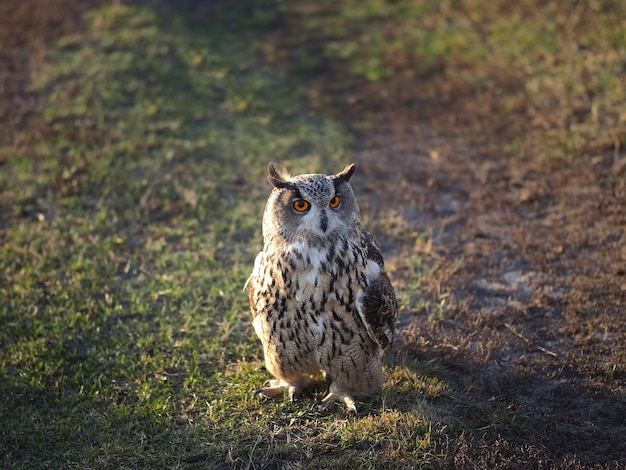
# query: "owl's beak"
{"points": [[323, 221]]}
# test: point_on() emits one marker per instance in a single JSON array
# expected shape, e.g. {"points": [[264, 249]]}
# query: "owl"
{"points": [[321, 301]]}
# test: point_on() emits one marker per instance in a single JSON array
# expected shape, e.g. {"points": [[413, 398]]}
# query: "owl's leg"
{"points": [[276, 387], [337, 394]]}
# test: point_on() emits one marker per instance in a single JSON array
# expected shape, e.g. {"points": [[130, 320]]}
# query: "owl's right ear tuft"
{"points": [[345, 175], [276, 178]]}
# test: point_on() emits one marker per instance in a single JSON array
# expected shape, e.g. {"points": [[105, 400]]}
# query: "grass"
{"points": [[128, 230], [557, 68], [128, 233]]}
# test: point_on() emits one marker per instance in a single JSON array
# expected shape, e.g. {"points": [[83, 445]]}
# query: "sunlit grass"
{"points": [[126, 339]]}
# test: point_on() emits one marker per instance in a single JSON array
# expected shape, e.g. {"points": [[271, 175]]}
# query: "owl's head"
{"points": [[310, 207]]}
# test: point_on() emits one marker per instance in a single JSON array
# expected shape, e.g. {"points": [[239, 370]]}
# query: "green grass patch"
{"points": [[552, 70], [126, 239]]}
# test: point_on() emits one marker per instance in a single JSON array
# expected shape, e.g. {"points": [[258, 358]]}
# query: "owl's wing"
{"points": [[378, 308]]}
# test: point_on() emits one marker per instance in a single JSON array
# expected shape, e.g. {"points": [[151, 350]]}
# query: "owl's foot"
{"points": [[277, 387], [340, 397]]}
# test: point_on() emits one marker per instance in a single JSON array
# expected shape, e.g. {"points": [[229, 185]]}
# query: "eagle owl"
{"points": [[321, 300]]}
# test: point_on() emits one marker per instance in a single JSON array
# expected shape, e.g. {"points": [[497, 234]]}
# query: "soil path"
{"points": [[533, 257]]}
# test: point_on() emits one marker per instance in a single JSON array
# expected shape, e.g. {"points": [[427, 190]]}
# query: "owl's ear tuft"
{"points": [[277, 178], [345, 175]]}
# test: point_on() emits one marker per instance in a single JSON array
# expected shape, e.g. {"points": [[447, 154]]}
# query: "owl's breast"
{"points": [[307, 308], [316, 270]]}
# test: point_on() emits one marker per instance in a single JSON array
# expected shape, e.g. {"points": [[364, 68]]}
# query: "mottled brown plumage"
{"points": [[321, 300]]}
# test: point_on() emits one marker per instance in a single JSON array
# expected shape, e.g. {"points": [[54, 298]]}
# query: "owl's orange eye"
{"points": [[300, 205], [334, 202]]}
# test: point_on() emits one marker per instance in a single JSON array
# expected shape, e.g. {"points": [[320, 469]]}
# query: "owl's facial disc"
{"points": [[320, 221], [316, 217], [302, 206]]}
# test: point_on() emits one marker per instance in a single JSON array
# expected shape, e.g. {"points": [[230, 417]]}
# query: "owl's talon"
{"points": [[352, 408], [277, 387], [260, 393], [339, 397]]}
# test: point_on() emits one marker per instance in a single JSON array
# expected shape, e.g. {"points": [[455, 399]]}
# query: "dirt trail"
{"points": [[534, 257]]}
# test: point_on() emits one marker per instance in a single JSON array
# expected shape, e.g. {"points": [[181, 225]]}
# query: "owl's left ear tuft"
{"points": [[277, 178], [345, 174]]}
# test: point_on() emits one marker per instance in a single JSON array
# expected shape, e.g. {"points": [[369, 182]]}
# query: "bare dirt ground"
{"points": [[532, 268], [533, 257]]}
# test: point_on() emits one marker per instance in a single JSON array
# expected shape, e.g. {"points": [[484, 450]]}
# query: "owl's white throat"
{"points": [[310, 263]]}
